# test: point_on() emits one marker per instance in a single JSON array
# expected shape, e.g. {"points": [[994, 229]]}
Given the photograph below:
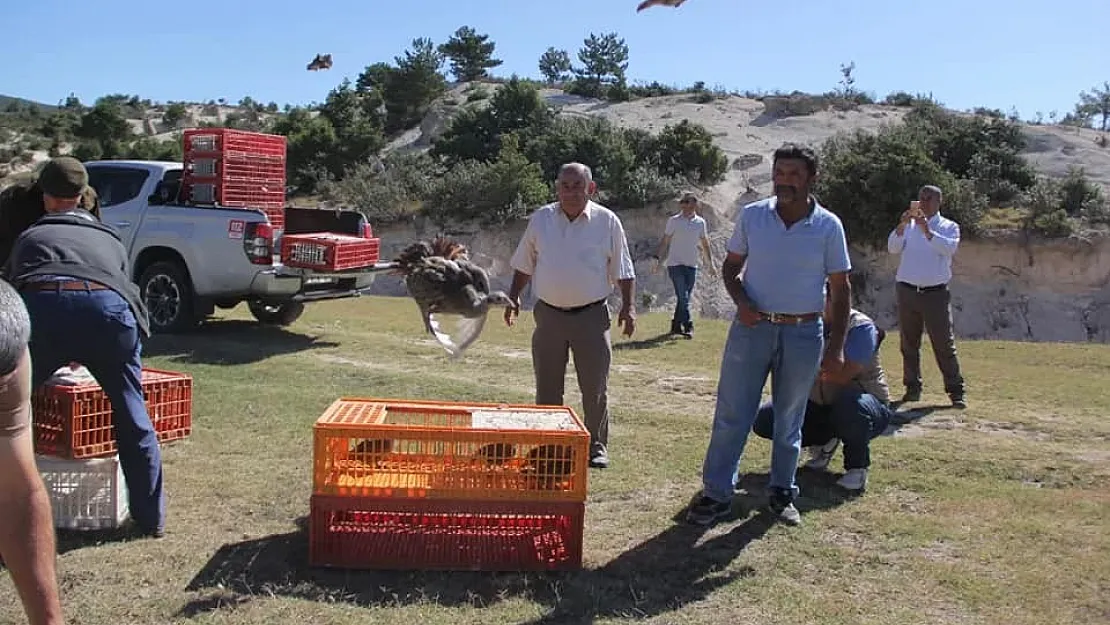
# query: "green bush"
{"points": [[687, 150], [868, 179], [1045, 215], [489, 193], [385, 191]]}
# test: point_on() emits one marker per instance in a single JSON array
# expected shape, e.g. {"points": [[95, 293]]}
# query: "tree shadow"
{"points": [[231, 342], [654, 341], [682, 564]]}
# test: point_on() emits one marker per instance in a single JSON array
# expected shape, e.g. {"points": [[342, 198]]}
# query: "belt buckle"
{"points": [[773, 317]]}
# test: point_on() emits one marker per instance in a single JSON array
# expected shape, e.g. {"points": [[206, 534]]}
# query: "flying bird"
{"points": [[657, 3], [322, 61], [443, 281]]}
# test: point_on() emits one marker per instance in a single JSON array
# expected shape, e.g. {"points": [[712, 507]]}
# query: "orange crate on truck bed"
{"points": [[439, 450], [74, 422], [364, 533], [231, 142], [235, 169], [329, 251]]}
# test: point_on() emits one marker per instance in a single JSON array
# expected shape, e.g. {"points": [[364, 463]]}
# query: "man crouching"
{"points": [[851, 405]]}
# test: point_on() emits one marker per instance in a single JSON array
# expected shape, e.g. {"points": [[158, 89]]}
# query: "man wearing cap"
{"points": [[74, 275], [26, 524], [679, 247]]}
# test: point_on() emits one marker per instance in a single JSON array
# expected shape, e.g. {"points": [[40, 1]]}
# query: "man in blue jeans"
{"points": [[683, 235], [787, 247], [851, 406], [74, 275]]}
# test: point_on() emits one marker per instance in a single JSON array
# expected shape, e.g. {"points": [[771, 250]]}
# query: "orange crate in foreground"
{"points": [[364, 533], [76, 421], [439, 450]]}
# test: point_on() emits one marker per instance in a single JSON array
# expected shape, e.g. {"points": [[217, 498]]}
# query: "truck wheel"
{"points": [[168, 296], [276, 314]]}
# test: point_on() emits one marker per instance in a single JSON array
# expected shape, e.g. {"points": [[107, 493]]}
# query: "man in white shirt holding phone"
{"points": [[927, 241]]}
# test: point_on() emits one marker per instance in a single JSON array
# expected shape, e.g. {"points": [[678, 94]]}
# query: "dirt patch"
{"points": [[688, 385], [990, 428]]}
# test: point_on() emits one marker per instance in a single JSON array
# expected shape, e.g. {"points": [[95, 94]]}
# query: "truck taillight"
{"points": [[367, 231], [258, 243]]}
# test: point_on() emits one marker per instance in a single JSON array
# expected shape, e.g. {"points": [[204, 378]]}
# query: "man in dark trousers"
{"points": [[74, 275], [26, 527]]}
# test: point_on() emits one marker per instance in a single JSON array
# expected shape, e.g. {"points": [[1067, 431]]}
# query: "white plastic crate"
{"points": [[85, 494]]}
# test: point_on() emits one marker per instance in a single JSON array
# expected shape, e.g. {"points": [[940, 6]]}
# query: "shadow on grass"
{"points": [[72, 540], [654, 341], [903, 418], [678, 566], [230, 342]]}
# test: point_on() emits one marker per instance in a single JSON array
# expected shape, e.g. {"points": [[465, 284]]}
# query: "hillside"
{"points": [[746, 129]]}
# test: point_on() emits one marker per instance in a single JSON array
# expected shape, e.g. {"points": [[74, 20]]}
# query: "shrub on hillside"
{"points": [[385, 191], [1045, 215], [868, 179], [687, 150], [489, 193], [979, 147]]}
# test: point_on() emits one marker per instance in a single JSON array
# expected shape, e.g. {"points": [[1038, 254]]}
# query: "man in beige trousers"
{"points": [[572, 252]]}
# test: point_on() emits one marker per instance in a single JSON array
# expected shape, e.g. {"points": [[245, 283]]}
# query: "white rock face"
{"points": [[1005, 286]]}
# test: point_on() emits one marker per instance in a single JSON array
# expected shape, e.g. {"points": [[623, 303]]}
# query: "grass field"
{"points": [[997, 514]]}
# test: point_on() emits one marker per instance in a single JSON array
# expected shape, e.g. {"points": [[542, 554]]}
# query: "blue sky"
{"points": [[1035, 56]]}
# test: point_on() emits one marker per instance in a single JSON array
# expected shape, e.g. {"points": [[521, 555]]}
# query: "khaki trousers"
{"points": [[928, 310], [585, 333]]}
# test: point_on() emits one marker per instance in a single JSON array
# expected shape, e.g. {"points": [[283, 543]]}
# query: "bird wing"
{"points": [[478, 276], [466, 331]]}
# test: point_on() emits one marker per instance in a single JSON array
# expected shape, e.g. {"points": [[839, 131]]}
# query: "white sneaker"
{"points": [[854, 479], [820, 455]]}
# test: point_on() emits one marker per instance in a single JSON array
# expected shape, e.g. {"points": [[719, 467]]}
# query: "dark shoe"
{"points": [[912, 394], [675, 328], [781, 505], [707, 511], [958, 401], [599, 459]]}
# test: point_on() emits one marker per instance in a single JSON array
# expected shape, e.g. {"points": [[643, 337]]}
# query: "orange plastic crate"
{"points": [[364, 533], [329, 251], [75, 422], [439, 450]]}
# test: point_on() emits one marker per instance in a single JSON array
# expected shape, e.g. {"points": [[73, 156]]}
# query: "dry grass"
{"points": [[994, 515]]}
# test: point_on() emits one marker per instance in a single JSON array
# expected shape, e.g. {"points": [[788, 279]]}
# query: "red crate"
{"points": [[230, 141], [235, 169], [399, 534], [74, 422], [329, 251]]}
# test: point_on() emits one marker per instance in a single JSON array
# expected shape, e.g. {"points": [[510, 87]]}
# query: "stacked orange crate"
{"points": [[404, 484], [235, 169], [75, 443]]}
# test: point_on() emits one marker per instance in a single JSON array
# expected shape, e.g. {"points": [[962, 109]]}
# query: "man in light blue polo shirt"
{"points": [[787, 247]]}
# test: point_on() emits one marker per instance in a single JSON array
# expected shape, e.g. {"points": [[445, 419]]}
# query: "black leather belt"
{"points": [[575, 309], [786, 319], [924, 289]]}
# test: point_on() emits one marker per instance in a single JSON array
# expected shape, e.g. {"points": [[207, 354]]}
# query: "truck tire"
{"points": [[168, 295], [276, 314]]}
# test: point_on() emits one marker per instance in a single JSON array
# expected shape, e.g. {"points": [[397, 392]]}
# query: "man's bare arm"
{"points": [[731, 268], [627, 289], [841, 307], [520, 280]]}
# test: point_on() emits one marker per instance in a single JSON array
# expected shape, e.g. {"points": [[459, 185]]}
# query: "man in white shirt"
{"points": [[572, 252], [927, 241], [679, 247]]}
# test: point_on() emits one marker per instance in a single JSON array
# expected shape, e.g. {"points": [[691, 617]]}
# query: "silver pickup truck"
{"points": [[188, 260]]}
